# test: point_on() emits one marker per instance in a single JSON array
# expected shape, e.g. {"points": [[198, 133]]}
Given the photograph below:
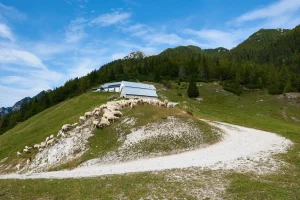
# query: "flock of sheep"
{"points": [[110, 113]]}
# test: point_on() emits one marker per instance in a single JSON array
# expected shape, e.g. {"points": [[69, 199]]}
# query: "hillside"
{"points": [[255, 108]]}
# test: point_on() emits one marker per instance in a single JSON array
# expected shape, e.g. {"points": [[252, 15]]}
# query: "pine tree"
{"points": [[193, 90]]}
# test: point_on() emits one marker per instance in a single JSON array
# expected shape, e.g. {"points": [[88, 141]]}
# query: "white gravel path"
{"points": [[241, 149]]}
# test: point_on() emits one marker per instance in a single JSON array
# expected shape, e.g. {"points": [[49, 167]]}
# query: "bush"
{"points": [[193, 90], [233, 87], [167, 84]]}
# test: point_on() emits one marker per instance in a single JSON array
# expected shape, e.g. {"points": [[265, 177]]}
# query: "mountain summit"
{"points": [[135, 55]]}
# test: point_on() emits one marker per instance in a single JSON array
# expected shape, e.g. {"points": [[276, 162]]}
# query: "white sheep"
{"points": [[110, 116], [96, 110], [43, 144], [47, 138], [95, 123], [117, 113], [82, 119], [75, 124], [51, 142], [171, 105], [18, 153], [59, 133], [18, 166], [97, 113], [104, 122], [88, 114], [25, 150], [36, 146], [28, 161], [40, 149], [51, 136], [103, 106], [66, 127]]}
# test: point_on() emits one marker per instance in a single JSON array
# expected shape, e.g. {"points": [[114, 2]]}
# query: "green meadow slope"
{"points": [[37, 128], [255, 108]]}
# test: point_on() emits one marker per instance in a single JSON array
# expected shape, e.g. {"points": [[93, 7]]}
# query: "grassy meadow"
{"points": [[37, 128]]}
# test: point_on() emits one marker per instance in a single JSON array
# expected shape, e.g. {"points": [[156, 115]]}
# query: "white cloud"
{"points": [[276, 9], [111, 18], [8, 13], [20, 57], [75, 30], [5, 32]]}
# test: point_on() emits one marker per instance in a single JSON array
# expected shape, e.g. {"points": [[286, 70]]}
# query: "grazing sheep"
{"points": [[59, 133], [75, 124], [18, 166], [110, 116], [47, 138], [171, 105], [103, 106], [18, 153], [43, 144], [95, 123], [51, 142], [117, 113], [96, 110], [28, 161], [88, 115], [166, 102], [41, 149], [104, 122], [81, 119], [97, 113], [36, 146], [25, 150], [51, 136], [63, 135], [66, 127]]}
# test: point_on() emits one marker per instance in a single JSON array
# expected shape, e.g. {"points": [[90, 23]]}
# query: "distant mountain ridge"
{"points": [[135, 55], [8, 110]]}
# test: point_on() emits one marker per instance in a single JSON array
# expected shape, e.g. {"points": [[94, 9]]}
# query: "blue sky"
{"points": [[45, 43]]}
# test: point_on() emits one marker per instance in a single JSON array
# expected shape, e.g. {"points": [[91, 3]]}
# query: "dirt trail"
{"points": [[242, 149]]}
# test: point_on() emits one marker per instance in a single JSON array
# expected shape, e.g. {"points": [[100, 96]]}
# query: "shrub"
{"points": [[233, 87], [167, 84], [193, 90]]}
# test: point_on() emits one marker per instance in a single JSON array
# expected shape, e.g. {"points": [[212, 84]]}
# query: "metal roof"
{"points": [[108, 85], [139, 91], [138, 85]]}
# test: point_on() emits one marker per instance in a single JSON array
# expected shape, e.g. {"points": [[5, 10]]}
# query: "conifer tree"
{"points": [[193, 90]]}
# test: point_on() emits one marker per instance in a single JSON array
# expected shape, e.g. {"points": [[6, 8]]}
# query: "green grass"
{"points": [[271, 114], [162, 185], [38, 127]]}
